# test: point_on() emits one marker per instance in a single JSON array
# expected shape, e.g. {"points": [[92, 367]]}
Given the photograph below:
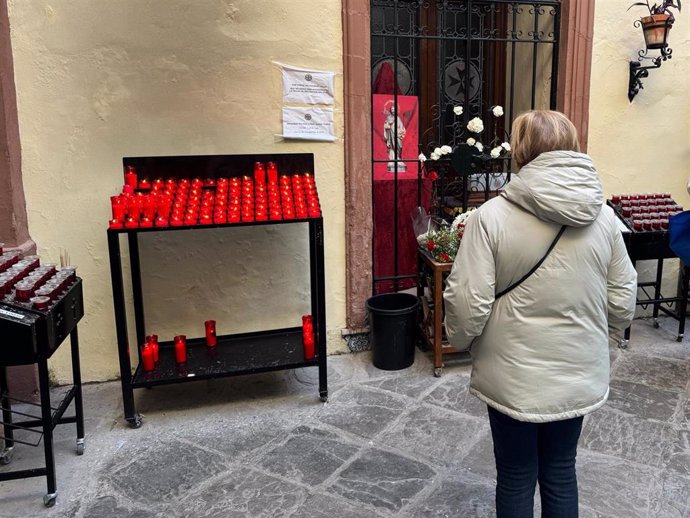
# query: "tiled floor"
{"points": [[387, 444]]}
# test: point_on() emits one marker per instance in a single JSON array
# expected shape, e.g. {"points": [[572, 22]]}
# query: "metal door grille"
{"points": [[471, 53]]}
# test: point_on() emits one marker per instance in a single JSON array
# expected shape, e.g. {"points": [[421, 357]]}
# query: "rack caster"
{"points": [[680, 338], [623, 343], [656, 324], [324, 397], [49, 499], [80, 446], [136, 421], [6, 456], [438, 371]]}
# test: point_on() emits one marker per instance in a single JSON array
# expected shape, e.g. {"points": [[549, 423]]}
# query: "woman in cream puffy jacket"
{"points": [[540, 357]]}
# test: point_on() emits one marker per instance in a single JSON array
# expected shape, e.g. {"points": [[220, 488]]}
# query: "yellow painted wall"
{"points": [[101, 79], [643, 146]]}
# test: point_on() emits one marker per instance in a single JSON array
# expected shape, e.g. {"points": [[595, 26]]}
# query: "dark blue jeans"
{"points": [[527, 452]]}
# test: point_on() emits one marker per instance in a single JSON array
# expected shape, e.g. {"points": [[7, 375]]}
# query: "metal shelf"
{"points": [[247, 353]]}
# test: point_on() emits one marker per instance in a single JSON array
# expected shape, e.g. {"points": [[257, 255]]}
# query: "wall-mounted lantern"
{"points": [[656, 28]]}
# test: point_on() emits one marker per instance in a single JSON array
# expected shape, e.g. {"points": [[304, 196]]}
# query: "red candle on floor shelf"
{"points": [[181, 349], [131, 223], [308, 337], [152, 340], [147, 357], [211, 339], [144, 184], [115, 224], [259, 173]]}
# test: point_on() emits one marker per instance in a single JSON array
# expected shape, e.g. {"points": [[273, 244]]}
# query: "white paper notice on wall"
{"points": [[308, 123], [307, 86]]}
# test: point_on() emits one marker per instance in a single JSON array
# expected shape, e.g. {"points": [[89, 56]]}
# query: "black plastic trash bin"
{"points": [[393, 328]]}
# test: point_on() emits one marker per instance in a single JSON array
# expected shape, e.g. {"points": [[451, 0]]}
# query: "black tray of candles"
{"points": [[39, 306], [647, 217]]}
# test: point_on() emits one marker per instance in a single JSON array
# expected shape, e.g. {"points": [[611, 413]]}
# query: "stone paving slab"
{"points": [[388, 444]]}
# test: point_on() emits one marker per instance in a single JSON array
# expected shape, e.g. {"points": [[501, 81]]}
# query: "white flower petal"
{"points": [[497, 111], [471, 141], [434, 156], [457, 110], [506, 146], [479, 146], [476, 125], [438, 151], [422, 157], [446, 149], [496, 152]]}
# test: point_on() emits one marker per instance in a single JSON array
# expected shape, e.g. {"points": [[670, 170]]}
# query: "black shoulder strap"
{"points": [[534, 268]]}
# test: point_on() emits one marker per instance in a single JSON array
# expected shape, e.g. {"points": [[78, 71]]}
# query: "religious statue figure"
{"points": [[393, 134]]}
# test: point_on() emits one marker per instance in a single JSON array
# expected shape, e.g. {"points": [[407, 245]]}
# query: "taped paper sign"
{"points": [[308, 124], [307, 86]]}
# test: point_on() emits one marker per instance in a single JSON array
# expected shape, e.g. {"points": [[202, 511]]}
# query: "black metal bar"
{"points": [[46, 417], [28, 425], [554, 58], [137, 294], [23, 473], [512, 64], [657, 287], [64, 403], [396, 151], [534, 57], [6, 409], [321, 304], [76, 380], [121, 325], [685, 280], [448, 38]]}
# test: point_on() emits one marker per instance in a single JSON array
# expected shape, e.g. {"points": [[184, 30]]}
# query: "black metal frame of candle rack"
{"points": [[234, 355], [31, 337], [654, 245]]}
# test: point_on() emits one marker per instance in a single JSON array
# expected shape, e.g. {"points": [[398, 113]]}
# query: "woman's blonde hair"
{"points": [[538, 131]]}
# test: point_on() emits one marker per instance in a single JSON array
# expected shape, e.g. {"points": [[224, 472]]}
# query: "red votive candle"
{"points": [[308, 337], [161, 222], [152, 340], [146, 223], [144, 184], [211, 339], [131, 223], [113, 223], [40, 303], [131, 177], [181, 349], [147, 357]]}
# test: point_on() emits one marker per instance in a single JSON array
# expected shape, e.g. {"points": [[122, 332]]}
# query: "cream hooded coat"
{"points": [[540, 353]]}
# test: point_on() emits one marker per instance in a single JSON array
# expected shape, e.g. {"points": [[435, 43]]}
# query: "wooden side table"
{"points": [[432, 275]]}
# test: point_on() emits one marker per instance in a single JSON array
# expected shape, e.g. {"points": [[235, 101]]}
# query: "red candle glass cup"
{"points": [[180, 349], [147, 357], [211, 339]]}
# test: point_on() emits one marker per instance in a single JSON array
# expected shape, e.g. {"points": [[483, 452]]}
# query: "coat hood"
{"points": [[559, 187]]}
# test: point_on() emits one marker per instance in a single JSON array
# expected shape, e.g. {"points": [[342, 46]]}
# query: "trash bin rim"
{"points": [[392, 312]]}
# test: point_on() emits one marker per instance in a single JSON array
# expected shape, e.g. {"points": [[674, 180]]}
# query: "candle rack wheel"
{"points": [[136, 421], [623, 343], [438, 371], [80, 446], [323, 396], [6, 456], [680, 338], [656, 324], [49, 499]]}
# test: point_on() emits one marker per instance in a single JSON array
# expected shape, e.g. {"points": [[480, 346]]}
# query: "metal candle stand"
{"points": [[234, 355], [32, 336], [654, 245]]}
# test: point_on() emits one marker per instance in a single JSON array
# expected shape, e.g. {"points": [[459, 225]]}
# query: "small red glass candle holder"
{"points": [[144, 183], [152, 340], [161, 222], [211, 339], [146, 222], [131, 223], [308, 337], [131, 177], [147, 357], [115, 224], [180, 348]]}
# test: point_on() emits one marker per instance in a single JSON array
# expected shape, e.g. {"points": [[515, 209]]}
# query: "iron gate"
{"points": [[429, 57]]}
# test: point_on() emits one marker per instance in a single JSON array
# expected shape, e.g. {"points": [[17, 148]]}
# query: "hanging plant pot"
{"points": [[655, 28]]}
